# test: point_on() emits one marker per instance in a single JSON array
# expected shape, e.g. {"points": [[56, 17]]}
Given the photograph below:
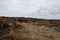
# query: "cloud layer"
{"points": [[31, 8]]}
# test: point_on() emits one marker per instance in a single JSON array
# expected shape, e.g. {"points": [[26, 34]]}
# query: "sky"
{"points": [[48, 9]]}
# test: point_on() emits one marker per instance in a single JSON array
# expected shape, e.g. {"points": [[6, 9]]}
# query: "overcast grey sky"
{"points": [[31, 8]]}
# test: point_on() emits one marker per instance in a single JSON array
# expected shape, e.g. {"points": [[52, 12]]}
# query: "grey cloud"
{"points": [[31, 8]]}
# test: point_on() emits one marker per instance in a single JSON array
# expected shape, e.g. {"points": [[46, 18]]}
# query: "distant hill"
{"points": [[21, 28]]}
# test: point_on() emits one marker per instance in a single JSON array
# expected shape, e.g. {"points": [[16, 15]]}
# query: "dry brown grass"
{"points": [[15, 30]]}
